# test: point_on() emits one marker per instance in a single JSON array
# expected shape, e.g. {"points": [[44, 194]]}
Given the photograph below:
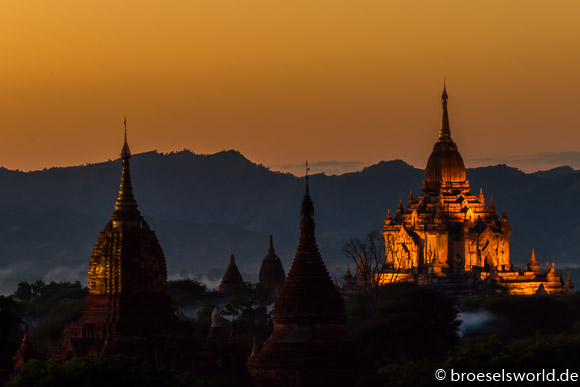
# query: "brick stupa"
{"points": [[309, 345], [128, 310]]}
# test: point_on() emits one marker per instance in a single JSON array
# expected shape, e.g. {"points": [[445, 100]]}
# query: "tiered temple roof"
{"points": [[449, 234], [309, 345]]}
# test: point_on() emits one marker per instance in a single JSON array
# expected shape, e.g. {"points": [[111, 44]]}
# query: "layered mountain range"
{"points": [[205, 207]]}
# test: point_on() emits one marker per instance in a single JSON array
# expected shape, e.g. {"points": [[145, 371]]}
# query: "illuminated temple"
{"points": [[128, 310], [449, 237]]}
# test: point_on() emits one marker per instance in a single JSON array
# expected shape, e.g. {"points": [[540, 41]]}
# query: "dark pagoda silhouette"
{"points": [[232, 277], [128, 310], [25, 353], [272, 272], [309, 345]]}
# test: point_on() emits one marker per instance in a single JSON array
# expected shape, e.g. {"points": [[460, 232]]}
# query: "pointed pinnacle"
{"points": [[444, 131]]}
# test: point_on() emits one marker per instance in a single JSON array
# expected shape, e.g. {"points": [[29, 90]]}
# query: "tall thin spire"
{"points": [[126, 203], [272, 273], [308, 283], [125, 152], [307, 170], [307, 213], [444, 131], [271, 246]]}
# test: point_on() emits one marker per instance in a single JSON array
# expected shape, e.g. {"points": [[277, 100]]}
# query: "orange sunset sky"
{"points": [[353, 82]]}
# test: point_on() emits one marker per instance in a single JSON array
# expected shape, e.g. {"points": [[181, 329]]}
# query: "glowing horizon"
{"points": [[328, 80]]}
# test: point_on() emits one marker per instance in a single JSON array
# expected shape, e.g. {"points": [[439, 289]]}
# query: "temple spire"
{"points": [[400, 208], [491, 206], [307, 170], [125, 152], [272, 273], [126, 203], [231, 278], [533, 264], [25, 353], [309, 333], [568, 286], [307, 213], [308, 279], [444, 131]]}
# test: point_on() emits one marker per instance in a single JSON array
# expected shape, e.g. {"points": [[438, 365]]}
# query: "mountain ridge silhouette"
{"points": [[204, 207]]}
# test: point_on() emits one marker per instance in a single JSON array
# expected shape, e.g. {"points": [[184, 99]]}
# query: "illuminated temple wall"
{"points": [[457, 232], [447, 231]]}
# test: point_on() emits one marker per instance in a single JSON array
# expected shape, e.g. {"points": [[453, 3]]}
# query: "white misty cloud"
{"points": [[6, 276], [211, 284], [473, 321], [29, 271], [11, 275], [204, 279], [67, 274]]}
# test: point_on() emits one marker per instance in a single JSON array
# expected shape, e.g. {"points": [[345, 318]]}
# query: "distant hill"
{"points": [[204, 207]]}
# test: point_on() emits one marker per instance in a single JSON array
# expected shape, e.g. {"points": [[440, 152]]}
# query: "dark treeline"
{"points": [[46, 307], [415, 331]]}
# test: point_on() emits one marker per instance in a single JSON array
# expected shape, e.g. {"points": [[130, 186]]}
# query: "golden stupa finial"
{"points": [[444, 131], [125, 152], [126, 202]]}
